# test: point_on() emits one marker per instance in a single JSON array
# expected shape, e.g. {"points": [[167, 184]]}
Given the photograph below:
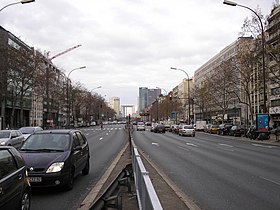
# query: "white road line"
{"points": [[226, 145], [265, 146], [270, 180], [156, 144], [100, 138], [191, 144]]}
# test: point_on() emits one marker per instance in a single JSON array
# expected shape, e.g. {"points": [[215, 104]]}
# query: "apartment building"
{"points": [[273, 46], [235, 112]]}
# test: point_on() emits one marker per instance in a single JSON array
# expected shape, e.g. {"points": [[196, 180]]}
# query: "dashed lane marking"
{"points": [[265, 146], [191, 144]]}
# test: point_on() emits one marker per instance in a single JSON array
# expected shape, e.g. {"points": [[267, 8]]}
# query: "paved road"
{"points": [[104, 146], [217, 172]]}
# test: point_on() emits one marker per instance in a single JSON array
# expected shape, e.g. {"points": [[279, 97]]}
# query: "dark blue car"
{"points": [[56, 157], [15, 188]]}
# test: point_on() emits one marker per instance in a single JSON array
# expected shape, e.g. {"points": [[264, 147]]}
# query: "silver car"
{"points": [[187, 130], [11, 138], [27, 131], [140, 126]]}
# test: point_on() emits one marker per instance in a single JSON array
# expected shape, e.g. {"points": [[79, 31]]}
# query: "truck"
{"points": [[200, 125]]}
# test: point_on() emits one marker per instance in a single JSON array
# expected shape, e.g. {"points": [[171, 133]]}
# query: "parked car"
{"points": [[56, 157], [153, 126], [27, 131], [175, 129], [167, 127], [224, 129], [187, 130], [140, 126], [15, 190], [237, 130], [11, 138], [160, 128], [213, 129], [207, 128]]}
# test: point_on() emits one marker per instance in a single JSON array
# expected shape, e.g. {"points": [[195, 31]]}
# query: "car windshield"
{"points": [[141, 123], [188, 127], [4, 134], [27, 130], [215, 126], [47, 141]]}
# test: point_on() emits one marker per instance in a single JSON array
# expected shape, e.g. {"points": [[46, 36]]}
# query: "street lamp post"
{"points": [[230, 3], [162, 89], [189, 104], [19, 2], [68, 95]]}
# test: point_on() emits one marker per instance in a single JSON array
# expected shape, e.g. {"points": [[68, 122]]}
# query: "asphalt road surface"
{"points": [[217, 172], [104, 146]]}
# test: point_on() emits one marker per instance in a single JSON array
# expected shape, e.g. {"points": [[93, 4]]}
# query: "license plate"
{"points": [[35, 179]]}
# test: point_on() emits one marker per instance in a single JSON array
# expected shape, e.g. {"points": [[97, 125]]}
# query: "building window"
{"points": [[275, 103], [275, 91]]}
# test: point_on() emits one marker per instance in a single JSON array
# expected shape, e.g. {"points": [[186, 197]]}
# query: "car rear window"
{"points": [[4, 134], [60, 141]]}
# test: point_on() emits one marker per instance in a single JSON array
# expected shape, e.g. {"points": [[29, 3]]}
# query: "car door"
{"points": [[77, 154], [11, 179], [84, 150]]}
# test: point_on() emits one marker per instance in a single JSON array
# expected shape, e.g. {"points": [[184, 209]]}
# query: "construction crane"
{"points": [[63, 52]]}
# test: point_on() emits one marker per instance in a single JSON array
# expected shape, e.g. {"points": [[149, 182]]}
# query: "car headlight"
{"points": [[55, 167], [2, 143]]}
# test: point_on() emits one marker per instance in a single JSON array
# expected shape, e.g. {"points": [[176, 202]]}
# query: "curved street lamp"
{"points": [[95, 88], [20, 2], [189, 104], [162, 89], [230, 3], [68, 95]]}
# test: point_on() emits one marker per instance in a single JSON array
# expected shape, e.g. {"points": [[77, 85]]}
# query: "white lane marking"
{"points": [[100, 138], [156, 144], [270, 180], [265, 146], [191, 144], [226, 145], [107, 134]]}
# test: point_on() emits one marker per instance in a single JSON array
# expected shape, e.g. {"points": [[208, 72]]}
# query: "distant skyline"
{"points": [[128, 44]]}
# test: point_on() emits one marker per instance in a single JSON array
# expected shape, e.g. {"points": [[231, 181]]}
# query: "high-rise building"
{"points": [[147, 97], [143, 96], [115, 104]]}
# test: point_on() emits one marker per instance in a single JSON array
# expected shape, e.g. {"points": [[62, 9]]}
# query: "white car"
{"points": [[187, 130], [140, 126]]}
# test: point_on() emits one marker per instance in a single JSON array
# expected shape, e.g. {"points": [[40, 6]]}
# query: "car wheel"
{"points": [[69, 185], [85, 171], [25, 200]]}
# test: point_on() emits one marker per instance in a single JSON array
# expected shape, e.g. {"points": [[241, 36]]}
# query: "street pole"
{"points": [[68, 94], [230, 3], [20, 2], [189, 104]]}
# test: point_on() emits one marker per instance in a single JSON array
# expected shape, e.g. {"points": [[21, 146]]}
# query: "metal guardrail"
{"points": [[146, 195]]}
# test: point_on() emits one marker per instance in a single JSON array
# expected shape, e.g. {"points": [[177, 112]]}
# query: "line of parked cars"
{"points": [[226, 129], [46, 158]]}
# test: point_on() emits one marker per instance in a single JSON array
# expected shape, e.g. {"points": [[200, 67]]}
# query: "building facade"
{"points": [[115, 104], [273, 43]]}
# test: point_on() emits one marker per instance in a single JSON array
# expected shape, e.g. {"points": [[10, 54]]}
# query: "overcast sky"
{"points": [[127, 44]]}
